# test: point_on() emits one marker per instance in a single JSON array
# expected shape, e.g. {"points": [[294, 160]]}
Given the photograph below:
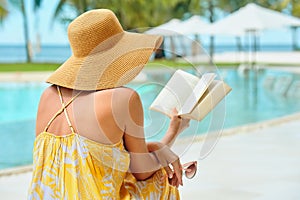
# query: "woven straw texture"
{"points": [[103, 54]]}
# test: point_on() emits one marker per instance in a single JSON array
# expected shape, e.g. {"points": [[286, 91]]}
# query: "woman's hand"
{"points": [[169, 160], [177, 125]]}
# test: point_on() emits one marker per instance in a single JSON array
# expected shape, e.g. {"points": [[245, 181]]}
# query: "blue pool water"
{"points": [[277, 95]]}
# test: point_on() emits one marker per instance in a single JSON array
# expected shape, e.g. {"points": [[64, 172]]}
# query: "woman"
{"points": [[90, 138]]}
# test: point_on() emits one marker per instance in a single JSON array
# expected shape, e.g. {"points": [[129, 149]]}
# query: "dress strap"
{"points": [[63, 109]]}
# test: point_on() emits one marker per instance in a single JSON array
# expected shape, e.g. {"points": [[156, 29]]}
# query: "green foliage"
{"points": [[131, 13], [3, 10], [22, 67], [291, 6], [141, 13], [34, 67]]}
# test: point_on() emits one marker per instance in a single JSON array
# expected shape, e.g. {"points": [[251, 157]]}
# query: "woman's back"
{"points": [[72, 165], [95, 115], [69, 165]]}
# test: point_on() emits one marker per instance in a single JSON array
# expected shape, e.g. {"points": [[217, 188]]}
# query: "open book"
{"points": [[192, 96]]}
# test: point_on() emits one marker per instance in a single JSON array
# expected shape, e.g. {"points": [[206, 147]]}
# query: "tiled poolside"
{"points": [[258, 162]]}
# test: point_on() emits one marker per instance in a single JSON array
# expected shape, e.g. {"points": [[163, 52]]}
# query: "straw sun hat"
{"points": [[103, 54]]}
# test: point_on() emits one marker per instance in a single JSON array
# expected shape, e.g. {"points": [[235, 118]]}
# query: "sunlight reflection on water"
{"points": [[274, 98]]}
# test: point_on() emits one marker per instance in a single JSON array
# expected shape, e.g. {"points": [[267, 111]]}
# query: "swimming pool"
{"points": [[277, 95]]}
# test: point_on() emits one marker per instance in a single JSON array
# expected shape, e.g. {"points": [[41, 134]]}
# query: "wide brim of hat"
{"points": [[111, 64]]}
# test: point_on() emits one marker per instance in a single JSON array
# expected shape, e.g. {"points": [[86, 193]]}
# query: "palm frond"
{"points": [[3, 10]]}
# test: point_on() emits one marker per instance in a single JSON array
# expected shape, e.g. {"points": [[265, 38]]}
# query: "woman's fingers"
{"points": [[177, 168], [185, 123], [177, 122], [174, 112], [166, 157], [173, 181], [169, 172]]}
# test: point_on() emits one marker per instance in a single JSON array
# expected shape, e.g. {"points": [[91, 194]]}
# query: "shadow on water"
{"points": [[251, 84]]}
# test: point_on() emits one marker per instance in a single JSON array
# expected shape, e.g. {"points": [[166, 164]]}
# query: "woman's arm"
{"points": [[177, 125], [144, 164]]}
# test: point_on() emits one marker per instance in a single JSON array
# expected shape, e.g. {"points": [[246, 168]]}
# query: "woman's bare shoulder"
{"points": [[125, 91], [48, 92], [121, 93]]}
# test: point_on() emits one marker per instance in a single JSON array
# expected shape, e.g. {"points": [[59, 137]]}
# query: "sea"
{"points": [[59, 53]]}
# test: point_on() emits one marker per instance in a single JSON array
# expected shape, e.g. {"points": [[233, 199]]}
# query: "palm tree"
{"points": [[78, 6], [131, 13], [295, 10], [140, 13], [20, 4], [3, 10]]}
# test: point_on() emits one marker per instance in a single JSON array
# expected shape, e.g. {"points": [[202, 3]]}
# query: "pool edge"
{"points": [[224, 133], [15, 170], [241, 129]]}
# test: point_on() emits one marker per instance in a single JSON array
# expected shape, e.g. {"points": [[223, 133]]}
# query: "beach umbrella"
{"points": [[193, 25], [175, 28], [196, 26], [167, 29], [252, 19]]}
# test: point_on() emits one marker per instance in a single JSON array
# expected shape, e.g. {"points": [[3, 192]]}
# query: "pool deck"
{"points": [[24, 76], [278, 58], [264, 58], [289, 61], [259, 161]]}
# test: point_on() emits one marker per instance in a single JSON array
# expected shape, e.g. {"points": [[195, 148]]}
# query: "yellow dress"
{"points": [[73, 167]]}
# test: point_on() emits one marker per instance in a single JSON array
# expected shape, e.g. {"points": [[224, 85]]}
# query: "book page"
{"points": [[175, 92], [198, 91], [215, 92]]}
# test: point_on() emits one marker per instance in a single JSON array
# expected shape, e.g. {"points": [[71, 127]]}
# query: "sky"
{"points": [[11, 31]]}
